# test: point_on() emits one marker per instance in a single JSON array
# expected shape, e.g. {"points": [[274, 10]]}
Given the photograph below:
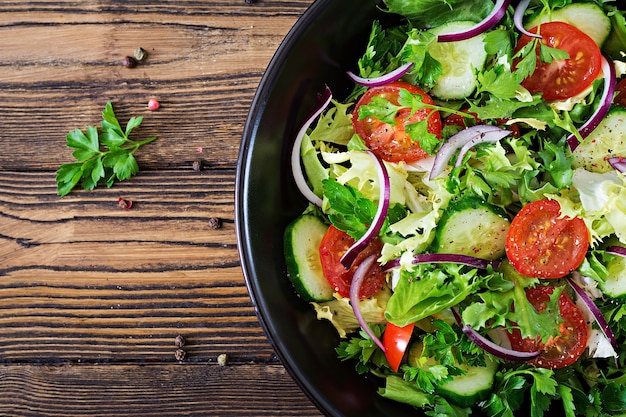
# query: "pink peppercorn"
{"points": [[153, 104]]}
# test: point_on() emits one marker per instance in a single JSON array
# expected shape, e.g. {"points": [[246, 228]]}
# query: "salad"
{"points": [[466, 226]]}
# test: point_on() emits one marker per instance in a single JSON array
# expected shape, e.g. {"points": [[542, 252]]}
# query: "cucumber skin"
{"points": [[297, 270]]}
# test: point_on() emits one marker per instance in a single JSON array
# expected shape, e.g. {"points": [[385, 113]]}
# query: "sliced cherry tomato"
{"points": [[392, 142], [542, 244], [457, 120], [562, 350], [396, 340], [563, 79], [620, 97], [334, 244]]}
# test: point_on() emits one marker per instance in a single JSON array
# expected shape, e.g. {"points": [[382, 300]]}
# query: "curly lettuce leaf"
{"points": [[428, 290]]}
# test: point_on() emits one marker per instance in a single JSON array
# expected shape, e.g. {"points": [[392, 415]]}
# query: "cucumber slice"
{"points": [[469, 389], [460, 60], [588, 17], [302, 242], [471, 226], [615, 284], [615, 44], [463, 390], [607, 140]]}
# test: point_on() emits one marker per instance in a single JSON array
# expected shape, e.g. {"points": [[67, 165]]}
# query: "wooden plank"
{"points": [[61, 62], [81, 278], [151, 390]]}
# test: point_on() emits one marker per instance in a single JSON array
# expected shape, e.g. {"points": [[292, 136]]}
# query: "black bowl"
{"points": [[325, 42]]}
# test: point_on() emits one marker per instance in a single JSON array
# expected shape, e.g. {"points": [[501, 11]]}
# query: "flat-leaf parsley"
{"points": [[102, 156]]}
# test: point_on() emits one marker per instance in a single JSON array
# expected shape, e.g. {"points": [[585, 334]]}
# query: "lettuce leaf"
{"points": [[428, 290]]}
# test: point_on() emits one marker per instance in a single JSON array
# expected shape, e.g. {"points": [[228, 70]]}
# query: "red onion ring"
{"points": [[487, 137], [484, 25], [383, 79], [379, 218], [443, 258], [357, 280], [518, 17], [492, 348], [610, 80], [595, 312], [616, 250], [457, 141], [296, 168], [619, 163]]}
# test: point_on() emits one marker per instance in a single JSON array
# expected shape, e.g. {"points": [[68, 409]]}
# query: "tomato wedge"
{"points": [[562, 350], [542, 244], [566, 78], [334, 244], [392, 142], [396, 340]]}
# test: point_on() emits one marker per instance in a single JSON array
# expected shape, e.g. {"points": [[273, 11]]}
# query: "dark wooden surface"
{"points": [[92, 297]]}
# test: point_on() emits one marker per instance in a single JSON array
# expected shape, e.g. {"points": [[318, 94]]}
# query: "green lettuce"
{"points": [[429, 289]]}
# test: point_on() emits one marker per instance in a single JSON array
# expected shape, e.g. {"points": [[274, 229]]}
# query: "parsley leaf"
{"points": [[102, 156]]}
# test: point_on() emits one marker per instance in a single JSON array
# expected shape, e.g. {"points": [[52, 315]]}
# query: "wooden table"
{"points": [[92, 296]]}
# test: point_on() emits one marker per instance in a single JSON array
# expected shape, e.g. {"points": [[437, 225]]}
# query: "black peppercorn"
{"points": [[129, 62], [215, 223]]}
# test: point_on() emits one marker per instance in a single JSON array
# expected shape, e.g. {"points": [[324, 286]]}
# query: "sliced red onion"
{"points": [[518, 17], [484, 25], [357, 280], [492, 348], [443, 258], [296, 167], [619, 163], [379, 218], [616, 250], [595, 311], [488, 137], [383, 79], [608, 70], [457, 141]]}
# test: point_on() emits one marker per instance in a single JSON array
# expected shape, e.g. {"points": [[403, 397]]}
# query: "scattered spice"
{"points": [[180, 354], [153, 104], [199, 149], [215, 223], [129, 62], [197, 165], [140, 54], [179, 341], [222, 359], [125, 204]]}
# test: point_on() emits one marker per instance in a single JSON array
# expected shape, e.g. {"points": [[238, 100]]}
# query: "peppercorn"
{"points": [[222, 359], [125, 204], [215, 223], [129, 62], [180, 354], [179, 341], [140, 54], [153, 104]]}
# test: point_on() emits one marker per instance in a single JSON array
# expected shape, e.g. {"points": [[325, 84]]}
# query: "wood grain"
{"points": [[92, 296], [151, 390]]}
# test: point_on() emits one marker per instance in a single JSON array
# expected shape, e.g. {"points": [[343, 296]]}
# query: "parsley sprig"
{"points": [[103, 156]]}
